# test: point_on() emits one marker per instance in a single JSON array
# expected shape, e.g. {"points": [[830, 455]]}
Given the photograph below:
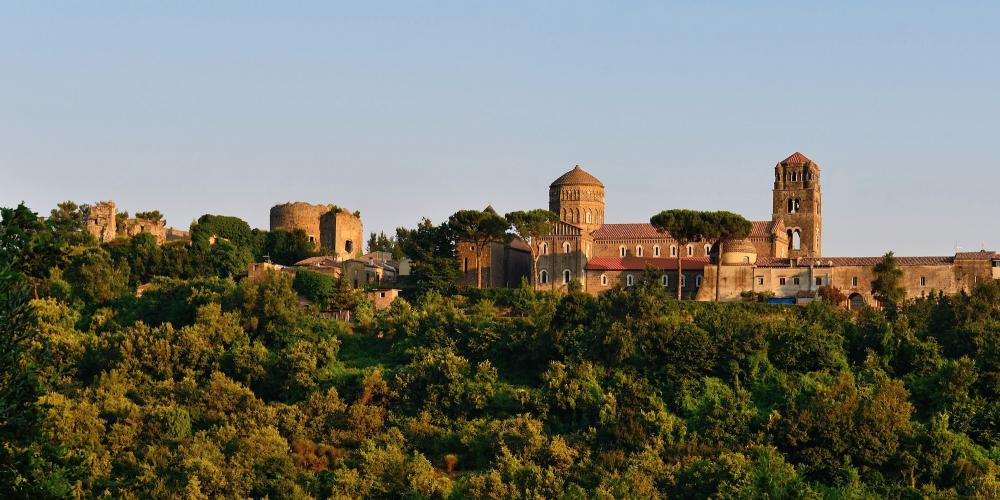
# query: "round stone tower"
{"points": [[299, 215], [578, 198]]}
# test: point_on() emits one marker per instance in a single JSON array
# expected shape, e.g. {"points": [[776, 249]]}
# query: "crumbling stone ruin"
{"points": [[331, 228], [102, 222]]}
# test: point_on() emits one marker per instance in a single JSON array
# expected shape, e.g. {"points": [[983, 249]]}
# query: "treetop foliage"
{"points": [[207, 386]]}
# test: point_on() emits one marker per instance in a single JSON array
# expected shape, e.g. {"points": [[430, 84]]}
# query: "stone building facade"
{"points": [[782, 256], [329, 227], [504, 264], [581, 235]]}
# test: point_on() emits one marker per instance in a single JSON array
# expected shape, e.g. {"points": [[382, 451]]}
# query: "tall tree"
{"points": [[684, 227], [530, 226], [431, 250], [886, 287], [722, 226], [481, 228]]}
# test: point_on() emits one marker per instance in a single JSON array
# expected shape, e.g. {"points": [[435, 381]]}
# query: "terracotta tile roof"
{"points": [[576, 176], [761, 228], [980, 255], [519, 244], [640, 263], [853, 261], [320, 261], [627, 231], [797, 158]]}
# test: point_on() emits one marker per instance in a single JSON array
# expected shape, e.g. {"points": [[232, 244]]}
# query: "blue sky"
{"points": [[404, 110]]}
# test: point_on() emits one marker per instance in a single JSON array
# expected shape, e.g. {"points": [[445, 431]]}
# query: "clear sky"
{"points": [[410, 109]]}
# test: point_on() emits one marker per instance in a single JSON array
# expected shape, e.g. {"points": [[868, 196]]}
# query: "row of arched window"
{"points": [[640, 252], [543, 277], [575, 216], [795, 176], [577, 195], [665, 280], [567, 247]]}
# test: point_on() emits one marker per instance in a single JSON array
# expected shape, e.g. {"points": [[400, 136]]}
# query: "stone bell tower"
{"points": [[578, 198], [798, 202]]}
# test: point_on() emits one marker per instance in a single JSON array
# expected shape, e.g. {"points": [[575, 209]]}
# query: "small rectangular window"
{"points": [[760, 281], [781, 281], [854, 281], [819, 281], [923, 281], [795, 280]]}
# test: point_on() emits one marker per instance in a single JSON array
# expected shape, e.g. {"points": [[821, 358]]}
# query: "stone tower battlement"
{"points": [[329, 227]]}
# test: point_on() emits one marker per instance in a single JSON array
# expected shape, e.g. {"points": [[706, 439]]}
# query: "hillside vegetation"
{"points": [[204, 387]]}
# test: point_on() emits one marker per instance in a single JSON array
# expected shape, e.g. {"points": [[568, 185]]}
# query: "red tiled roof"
{"points": [[627, 231], [640, 263], [519, 244], [760, 229], [853, 261], [797, 158], [980, 255]]}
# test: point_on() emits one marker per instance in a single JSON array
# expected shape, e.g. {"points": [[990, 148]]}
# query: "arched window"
{"points": [[665, 280], [622, 251], [567, 276], [794, 239], [589, 219], [543, 276], [690, 250], [673, 250], [708, 249], [629, 280], [638, 250], [746, 259], [578, 215], [543, 249], [348, 246], [697, 281], [684, 280], [604, 280], [656, 250], [566, 247], [465, 265]]}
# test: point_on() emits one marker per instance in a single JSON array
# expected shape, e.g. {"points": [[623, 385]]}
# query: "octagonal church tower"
{"points": [[578, 198]]}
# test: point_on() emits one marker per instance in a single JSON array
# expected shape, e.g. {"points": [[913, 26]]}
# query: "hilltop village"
{"points": [[781, 259]]}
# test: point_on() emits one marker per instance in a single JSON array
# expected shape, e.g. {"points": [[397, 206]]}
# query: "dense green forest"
{"points": [[209, 387]]}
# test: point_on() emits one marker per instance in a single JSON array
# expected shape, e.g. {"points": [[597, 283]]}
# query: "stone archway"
{"points": [[856, 301]]}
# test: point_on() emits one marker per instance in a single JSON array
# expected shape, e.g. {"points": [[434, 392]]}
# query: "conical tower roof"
{"points": [[797, 158], [577, 177]]}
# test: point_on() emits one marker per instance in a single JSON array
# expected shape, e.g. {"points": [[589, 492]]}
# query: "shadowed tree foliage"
{"points": [[887, 287], [684, 226], [480, 228]]}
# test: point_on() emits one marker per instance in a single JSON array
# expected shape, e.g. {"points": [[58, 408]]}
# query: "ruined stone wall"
{"points": [[342, 233], [101, 221], [157, 228], [299, 215]]}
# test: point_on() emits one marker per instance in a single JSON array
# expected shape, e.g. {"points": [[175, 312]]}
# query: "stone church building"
{"points": [[782, 256]]}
